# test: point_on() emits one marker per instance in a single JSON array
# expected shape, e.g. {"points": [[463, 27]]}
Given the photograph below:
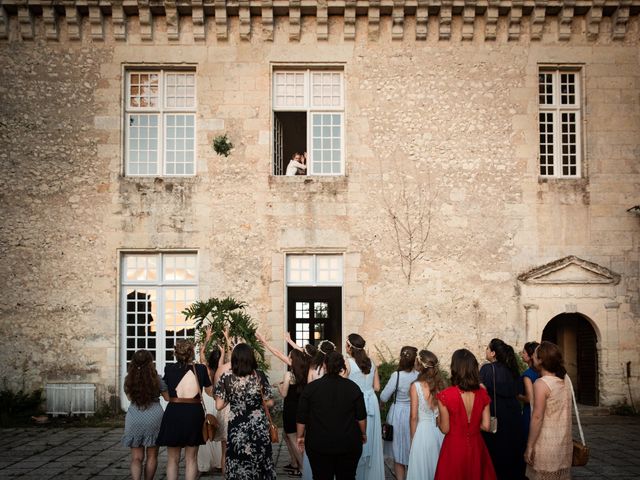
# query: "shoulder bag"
{"points": [[387, 428], [210, 424], [273, 429], [493, 422], [580, 449]]}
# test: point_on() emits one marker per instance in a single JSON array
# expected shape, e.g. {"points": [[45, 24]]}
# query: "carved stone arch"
{"points": [[579, 339]]}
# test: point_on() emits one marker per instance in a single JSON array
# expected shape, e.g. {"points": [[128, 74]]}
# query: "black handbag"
{"points": [[387, 428]]}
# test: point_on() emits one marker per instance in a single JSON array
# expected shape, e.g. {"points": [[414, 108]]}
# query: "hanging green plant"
{"points": [[222, 145], [221, 314]]}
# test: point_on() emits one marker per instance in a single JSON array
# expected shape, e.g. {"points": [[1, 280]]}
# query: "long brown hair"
{"points": [[429, 372], [141, 383], [299, 369], [356, 349]]}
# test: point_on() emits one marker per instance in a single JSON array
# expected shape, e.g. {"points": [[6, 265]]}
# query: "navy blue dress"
{"points": [[506, 446], [182, 422], [532, 375]]}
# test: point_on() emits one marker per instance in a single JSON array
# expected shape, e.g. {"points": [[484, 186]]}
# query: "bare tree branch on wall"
{"points": [[408, 200]]}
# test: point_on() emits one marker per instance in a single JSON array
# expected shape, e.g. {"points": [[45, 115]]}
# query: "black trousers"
{"points": [[342, 466]]}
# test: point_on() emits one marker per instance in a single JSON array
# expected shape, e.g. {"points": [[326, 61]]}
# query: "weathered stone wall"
{"points": [[454, 119]]}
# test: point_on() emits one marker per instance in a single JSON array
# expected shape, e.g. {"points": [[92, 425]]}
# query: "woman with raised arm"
{"points": [[362, 371], [464, 411], [291, 386], [182, 421], [398, 415]]}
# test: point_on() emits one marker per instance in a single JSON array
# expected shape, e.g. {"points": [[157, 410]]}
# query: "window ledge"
{"points": [[146, 184], [308, 182], [563, 180]]}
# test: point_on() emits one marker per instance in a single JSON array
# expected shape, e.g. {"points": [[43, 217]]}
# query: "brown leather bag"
{"points": [[210, 424], [209, 427], [273, 429], [580, 450], [580, 454]]}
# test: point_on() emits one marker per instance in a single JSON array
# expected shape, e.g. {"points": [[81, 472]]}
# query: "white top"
{"points": [[293, 166]]}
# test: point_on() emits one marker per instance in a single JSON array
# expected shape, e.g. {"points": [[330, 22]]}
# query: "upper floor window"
{"points": [[160, 116], [559, 120], [308, 117]]}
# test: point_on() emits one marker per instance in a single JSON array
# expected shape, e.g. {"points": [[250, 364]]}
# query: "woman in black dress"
{"points": [[249, 454], [506, 446], [291, 386], [183, 418]]}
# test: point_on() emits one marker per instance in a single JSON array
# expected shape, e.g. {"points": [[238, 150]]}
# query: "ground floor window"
{"points": [[314, 298], [155, 288]]}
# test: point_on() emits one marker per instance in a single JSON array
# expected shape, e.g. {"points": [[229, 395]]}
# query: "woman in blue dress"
{"points": [[528, 378], [362, 371], [398, 416], [426, 437]]}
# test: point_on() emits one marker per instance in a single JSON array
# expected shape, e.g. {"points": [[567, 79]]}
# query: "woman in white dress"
{"points": [[426, 437], [362, 371], [398, 416]]}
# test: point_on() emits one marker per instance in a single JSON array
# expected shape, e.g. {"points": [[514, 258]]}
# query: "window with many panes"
{"points": [[559, 122], [308, 116], [160, 121], [155, 289]]}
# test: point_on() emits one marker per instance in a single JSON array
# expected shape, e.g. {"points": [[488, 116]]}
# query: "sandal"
{"points": [[296, 473], [290, 467]]}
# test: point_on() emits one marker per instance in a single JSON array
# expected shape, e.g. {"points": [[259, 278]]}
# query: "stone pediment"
{"points": [[570, 270]]}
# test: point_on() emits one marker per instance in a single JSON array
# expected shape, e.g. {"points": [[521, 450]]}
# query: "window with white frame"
{"points": [[160, 121], [314, 270], [559, 122], [308, 116], [155, 289]]}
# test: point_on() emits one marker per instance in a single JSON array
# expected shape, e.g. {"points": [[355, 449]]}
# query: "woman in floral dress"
{"points": [[249, 454]]}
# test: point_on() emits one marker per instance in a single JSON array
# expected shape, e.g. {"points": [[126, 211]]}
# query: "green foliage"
{"points": [[624, 409], [387, 365], [225, 314], [521, 365], [222, 145], [18, 407]]}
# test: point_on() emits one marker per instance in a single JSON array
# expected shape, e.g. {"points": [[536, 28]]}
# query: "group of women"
{"points": [[331, 414], [240, 391]]}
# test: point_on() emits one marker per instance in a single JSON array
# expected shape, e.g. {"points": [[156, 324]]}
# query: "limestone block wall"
{"points": [[440, 100]]}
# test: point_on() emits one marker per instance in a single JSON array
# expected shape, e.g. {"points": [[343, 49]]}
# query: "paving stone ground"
{"points": [[80, 453]]}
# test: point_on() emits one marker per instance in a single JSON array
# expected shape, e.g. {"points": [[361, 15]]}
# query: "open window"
{"points": [[308, 116]]}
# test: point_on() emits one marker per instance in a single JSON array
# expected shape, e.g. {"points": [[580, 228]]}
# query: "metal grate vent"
{"points": [[71, 398]]}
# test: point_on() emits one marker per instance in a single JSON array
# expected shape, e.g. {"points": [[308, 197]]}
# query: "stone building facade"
{"points": [[471, 169]]}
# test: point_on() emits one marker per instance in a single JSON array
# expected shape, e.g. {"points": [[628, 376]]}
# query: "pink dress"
{"points": [[464, 456]]}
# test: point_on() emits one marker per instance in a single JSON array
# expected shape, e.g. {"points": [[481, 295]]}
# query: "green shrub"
{"points": [[17, 407]]}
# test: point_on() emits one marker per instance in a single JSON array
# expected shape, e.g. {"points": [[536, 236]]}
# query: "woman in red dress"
{"points": [[464, 411]]}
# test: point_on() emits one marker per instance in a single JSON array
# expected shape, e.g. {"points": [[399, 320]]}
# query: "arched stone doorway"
{"points": [[577, 339]]}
